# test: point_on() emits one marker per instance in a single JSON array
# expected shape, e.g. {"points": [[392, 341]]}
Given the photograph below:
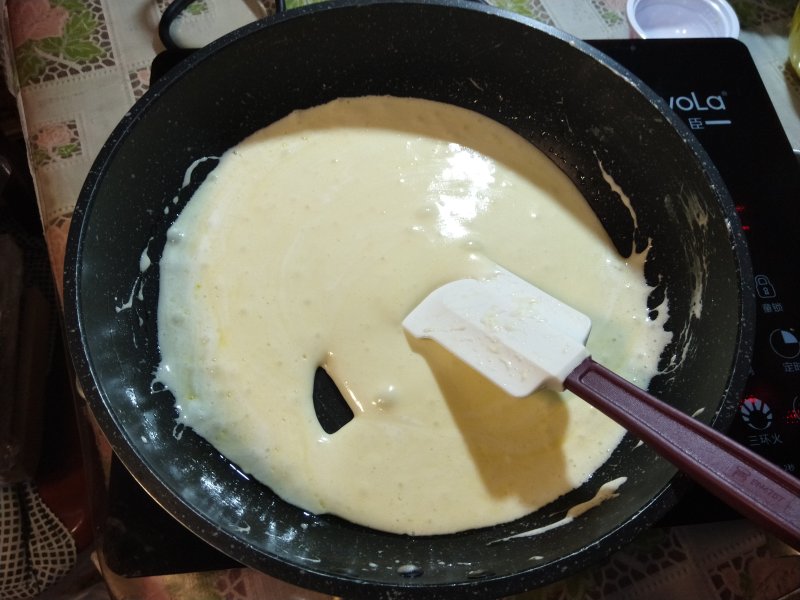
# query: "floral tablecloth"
{"points": [[76, 66]]}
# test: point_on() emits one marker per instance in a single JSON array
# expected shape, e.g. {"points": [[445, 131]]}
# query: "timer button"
{"points": [[784, 343]]}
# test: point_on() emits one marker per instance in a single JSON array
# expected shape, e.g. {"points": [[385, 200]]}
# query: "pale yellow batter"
{"points": [[309, 244]]}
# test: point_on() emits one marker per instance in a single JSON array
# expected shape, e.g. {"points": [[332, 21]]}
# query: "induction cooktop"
{"points": [[714, 86]]}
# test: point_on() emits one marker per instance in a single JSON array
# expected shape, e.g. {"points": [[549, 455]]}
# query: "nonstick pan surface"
{"points": [[592, 117]]}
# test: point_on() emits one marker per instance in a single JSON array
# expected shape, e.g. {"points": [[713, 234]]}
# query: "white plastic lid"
{"points": [[682, 19]]}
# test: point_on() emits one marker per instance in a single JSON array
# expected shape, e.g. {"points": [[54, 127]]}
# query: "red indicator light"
{"points": [[740, 209]]}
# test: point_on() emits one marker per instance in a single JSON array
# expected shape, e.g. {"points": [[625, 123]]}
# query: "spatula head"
{"points": [[513, 333]]}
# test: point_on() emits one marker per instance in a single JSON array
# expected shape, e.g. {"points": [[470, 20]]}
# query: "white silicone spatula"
{"points": [[522, 339]]}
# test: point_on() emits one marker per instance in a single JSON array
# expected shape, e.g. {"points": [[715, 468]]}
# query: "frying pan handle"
{"points": [[747, 482], [174, 10]]}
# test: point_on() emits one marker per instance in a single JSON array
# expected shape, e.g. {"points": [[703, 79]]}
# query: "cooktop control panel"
{"points": [[714, 86]]}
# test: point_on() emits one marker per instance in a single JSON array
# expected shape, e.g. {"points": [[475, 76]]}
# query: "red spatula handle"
{"points": [[756, 488]]}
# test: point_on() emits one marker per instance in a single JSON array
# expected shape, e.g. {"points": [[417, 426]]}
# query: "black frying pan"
{"points": [[566, 98]]}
